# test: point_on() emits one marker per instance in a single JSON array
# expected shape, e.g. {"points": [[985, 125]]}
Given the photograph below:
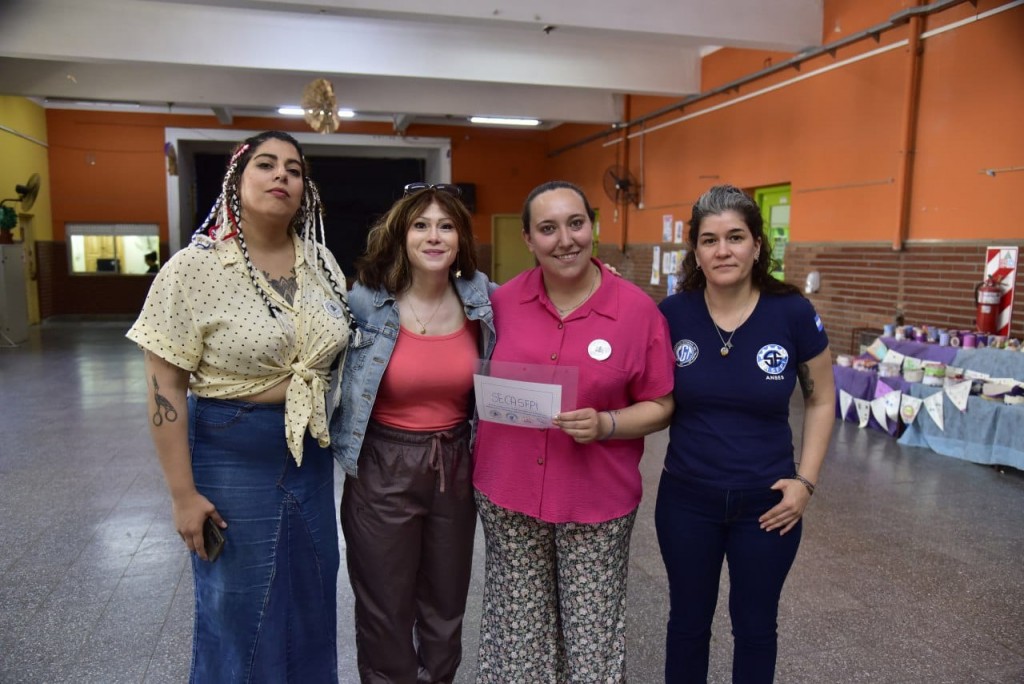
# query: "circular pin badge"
{"points": [[599, 350], [333, 308]]}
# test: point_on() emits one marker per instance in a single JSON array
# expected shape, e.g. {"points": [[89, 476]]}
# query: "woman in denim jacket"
{"points": [[403, 431]]}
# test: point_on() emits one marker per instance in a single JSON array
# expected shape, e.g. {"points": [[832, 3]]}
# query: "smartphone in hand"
{"points": [[213, 539]]}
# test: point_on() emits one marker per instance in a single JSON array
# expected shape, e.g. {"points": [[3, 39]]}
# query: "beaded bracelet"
{"points": [[612, 431], [807, 483]]}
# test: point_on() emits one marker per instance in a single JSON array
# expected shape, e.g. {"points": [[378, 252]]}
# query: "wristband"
{"points": [[806, 483], [613, 426]]}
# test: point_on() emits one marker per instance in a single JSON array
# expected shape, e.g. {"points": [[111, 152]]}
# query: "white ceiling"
{"points": [[400, 60]]}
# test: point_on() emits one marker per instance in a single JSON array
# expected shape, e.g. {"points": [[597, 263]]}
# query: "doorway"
{"points": [[509, 254], [355, 192], [416, 159], [774, 203]]}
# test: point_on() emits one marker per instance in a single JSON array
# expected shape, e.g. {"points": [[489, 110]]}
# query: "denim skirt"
{"points": [[265, 610]]}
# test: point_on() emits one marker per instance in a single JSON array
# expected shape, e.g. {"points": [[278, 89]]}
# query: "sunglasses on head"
{"points": [[453, 190]]}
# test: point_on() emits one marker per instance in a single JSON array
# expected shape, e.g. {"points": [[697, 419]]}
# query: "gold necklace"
{"points": [[726, 343], [423, 326], [563, 312]]}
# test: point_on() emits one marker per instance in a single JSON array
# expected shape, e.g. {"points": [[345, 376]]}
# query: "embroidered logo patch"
{"points": [[817, 323], [686, 352], [772, 359]]}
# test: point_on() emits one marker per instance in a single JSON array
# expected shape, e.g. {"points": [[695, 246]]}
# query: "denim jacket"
{"points": [[376, 318]]}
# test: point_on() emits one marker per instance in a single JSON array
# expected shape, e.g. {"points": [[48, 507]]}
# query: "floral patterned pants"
{"points": [[554, 599]]}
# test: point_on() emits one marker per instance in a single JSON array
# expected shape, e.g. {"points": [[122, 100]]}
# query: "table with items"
{"points": [[964, 403]]}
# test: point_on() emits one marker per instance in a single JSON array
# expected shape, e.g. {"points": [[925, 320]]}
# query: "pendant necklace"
{"points": [[423, 326], [726, 343], [563, 312]]}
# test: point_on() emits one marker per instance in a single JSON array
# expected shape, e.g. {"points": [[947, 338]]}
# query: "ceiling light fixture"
{"points": [[299, 111], [503, 121], [92, 103]]}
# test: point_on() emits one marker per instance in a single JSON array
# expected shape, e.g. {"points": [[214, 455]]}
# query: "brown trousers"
{"points": [[409, 521]]}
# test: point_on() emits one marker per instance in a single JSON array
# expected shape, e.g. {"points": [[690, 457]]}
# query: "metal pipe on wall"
{"points": [[873, 32], [908, 128], [624, 237]]}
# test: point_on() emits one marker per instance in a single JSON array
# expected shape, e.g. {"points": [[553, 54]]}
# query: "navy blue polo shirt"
{"points": [[731, 428]]}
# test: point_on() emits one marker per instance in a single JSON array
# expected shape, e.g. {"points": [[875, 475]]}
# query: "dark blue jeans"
{"points": [[699, 526], [266, 609]]}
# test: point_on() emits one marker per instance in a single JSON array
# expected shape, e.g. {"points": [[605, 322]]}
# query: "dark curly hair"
{"points": [[716, 201]]}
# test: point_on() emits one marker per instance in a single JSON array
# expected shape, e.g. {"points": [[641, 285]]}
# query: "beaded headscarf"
{"points": [[225, 221]]}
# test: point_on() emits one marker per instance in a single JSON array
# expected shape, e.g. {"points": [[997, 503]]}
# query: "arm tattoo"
{"points": [[803, 373], [164, 408], [286, 286]]}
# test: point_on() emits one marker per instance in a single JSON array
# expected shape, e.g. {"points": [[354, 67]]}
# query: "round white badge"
{"points": [[599, 350]]}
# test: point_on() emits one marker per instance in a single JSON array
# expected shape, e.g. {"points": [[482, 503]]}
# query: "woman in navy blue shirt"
{"points": [[731, 488]]}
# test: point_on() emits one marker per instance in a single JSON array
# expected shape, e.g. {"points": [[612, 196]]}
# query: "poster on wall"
{"points": [[666, 228], [1001, 267]]}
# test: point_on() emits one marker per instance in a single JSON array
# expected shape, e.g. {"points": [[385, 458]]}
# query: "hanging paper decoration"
{"points": [[321, 106], [878, 411], [909, 408], [933, 404], [958, 393], [892, 405], [893, 356], [845, 399], [878, 349], [863, 411]]}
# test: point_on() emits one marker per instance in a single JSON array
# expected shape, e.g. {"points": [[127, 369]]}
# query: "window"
{"points": [[111, 248]]}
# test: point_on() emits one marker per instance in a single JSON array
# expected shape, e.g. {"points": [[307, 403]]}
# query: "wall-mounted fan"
{"points": [[621, 186], [321, 106], [8, 217], [26, 193]]}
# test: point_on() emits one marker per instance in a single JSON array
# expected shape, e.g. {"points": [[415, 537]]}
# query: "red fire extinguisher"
{"points": [[987, 296]]}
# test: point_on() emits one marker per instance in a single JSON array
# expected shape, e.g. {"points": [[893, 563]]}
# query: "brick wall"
{"points": [[63, 294], [635, 266], [863, 285]]}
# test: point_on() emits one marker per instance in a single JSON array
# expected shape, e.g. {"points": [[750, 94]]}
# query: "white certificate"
{"points": [[516, 402]]}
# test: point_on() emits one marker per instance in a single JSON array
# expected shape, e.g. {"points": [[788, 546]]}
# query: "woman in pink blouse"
{"points": [[558, 504]]}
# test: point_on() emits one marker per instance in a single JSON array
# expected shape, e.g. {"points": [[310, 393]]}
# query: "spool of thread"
{"points": [[943, 338], [970, 341], [888, 330], [982, 340]]}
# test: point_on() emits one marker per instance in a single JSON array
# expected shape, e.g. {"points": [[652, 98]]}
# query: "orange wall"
{"points": [[836, 137], [110, 167], [504, 164]]}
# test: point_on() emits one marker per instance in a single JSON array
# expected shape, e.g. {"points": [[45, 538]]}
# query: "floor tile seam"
{"points": [[166, 620], [104, 612]]}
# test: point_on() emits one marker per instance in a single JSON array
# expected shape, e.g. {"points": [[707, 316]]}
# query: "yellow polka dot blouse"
{"points": [[204, 315]]}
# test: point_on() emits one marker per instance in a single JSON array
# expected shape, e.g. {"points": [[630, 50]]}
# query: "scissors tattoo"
{"points": [[164, 408]]}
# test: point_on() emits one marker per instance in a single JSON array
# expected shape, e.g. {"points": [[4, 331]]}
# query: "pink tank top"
{"points": [[427, 383]]}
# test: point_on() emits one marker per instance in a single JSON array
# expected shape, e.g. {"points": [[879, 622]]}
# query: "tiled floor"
{"points": [[911, 570]]}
